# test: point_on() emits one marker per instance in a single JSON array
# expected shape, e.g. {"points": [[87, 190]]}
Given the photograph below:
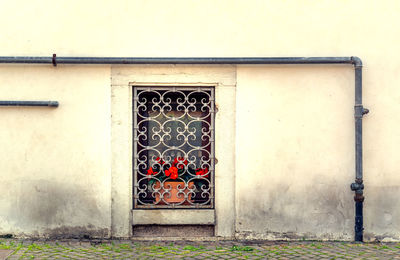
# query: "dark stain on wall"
{"points": [[59, 210]]}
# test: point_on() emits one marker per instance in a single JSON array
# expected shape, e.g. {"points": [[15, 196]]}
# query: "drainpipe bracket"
{"points": [[357, 187], [359, 111], [54, 60]]}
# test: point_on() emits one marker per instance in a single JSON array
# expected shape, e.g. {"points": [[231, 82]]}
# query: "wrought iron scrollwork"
{"points": [[173, 147]]}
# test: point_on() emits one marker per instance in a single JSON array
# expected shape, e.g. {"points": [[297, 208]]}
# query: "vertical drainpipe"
{"points": [[358, 185]]}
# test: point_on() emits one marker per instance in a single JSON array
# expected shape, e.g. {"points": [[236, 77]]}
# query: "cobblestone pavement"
{"points": [[74, 249]]}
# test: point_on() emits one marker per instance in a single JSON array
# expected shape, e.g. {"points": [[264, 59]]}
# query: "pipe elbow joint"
{"points": [[356, 61]]}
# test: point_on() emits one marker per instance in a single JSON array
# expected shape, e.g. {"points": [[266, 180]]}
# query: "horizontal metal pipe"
{"points": [[30, 103], [25, 59], [174, 60]]}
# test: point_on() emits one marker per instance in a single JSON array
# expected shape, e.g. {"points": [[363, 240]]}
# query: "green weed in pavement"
{"points": [[241, 248], [318, 246], [34, 246], [106, 246], [5, 246], [193, 248], [125, 246], [157, 249]]}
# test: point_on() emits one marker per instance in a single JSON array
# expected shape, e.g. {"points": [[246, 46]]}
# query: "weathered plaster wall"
{"points": [[295, 152], [298, 180], [55, 162]]}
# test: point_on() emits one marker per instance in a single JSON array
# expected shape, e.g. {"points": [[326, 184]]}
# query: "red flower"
{"points": [[172, 172], [150, 171], [202, 172], [181, 161], [160, 161]]}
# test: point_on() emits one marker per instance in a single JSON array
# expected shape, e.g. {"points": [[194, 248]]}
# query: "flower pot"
{"points": [[170, 194]]}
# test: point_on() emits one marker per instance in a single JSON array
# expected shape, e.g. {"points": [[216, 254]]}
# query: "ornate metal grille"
{"points": [[173, 147]]}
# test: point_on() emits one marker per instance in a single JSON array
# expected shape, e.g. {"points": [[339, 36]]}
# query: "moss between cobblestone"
{"points": [[241, 248], [197, 250]]}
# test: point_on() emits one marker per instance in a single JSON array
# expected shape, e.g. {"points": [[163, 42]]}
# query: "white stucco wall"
{"points": [[55, 162], [295, 152], [294, 140]]}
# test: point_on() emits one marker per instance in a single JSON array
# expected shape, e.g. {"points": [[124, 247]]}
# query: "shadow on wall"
{"points": [[53, 209]]}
